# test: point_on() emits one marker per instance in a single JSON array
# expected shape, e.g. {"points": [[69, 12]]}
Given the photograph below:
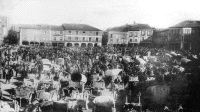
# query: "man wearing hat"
{"points": [[9, 74]]}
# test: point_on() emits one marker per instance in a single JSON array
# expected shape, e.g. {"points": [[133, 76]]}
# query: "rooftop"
{"points": [[187, 24], [82, 27], [30, 26], [134, 27], [57, 28]]}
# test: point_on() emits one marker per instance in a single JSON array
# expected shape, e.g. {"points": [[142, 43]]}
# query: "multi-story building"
{"points": [[35, 35], [161, 37], [57, 38], [64, 35], [3, 28], [129, 34], [116, 37], [185, 35], [81, 35]]}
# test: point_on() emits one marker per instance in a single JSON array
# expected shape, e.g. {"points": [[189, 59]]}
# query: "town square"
{"points": [[86, 56]]}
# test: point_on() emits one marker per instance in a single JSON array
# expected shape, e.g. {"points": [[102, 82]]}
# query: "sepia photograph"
{"points": [[99, 56]]}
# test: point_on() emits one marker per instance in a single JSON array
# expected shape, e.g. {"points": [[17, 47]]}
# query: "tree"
{"points": [[11, 38]]}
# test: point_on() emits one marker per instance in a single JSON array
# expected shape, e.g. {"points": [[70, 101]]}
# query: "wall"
{"points": [[74, 36], [3, 28], [35, 35], [117, 37]]}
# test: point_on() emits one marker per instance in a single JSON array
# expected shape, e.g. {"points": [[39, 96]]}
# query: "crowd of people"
{"points": [[118, 68]]}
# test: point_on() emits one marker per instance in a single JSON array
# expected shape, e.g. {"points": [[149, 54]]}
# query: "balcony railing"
{"points": [[77, 40]]}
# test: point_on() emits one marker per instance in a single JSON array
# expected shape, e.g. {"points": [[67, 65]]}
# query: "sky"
{"points": [[102, 14]]}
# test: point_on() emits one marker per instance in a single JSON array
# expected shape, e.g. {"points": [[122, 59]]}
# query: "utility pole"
{"points": [[139, 95]]}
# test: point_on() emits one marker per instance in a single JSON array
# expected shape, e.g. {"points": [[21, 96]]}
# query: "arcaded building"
{"points": [[81, 35]]}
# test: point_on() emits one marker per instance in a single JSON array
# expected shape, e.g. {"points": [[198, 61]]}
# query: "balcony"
{"points": [[78, 41]]}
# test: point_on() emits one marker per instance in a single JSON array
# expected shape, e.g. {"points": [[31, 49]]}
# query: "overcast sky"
{"points": [[101, 13]]}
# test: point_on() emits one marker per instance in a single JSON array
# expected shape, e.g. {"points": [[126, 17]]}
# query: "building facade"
{"points": [[115, 37], [3, 28], [35, 35], [64, 35], [161, 37], [129, 34], [81, 35], [139, 36], [184, 35]]}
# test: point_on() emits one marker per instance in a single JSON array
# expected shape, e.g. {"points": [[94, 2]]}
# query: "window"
{"points": [[130, 34], [70, 32], [130, 40], [135, 34], [111, 35], [135, 40], [65, 38], [149, 32], [54, 38], [69, 38], [83, 31], [60, 38], [97, 39], [76, 38], [90, 39], [143, 33], [76, 32], [83, 38], [97, 33], [60, 32]]}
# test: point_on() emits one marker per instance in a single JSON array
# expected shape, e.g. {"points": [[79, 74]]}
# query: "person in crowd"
{"points": [[9, 75], [84, 58]]}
